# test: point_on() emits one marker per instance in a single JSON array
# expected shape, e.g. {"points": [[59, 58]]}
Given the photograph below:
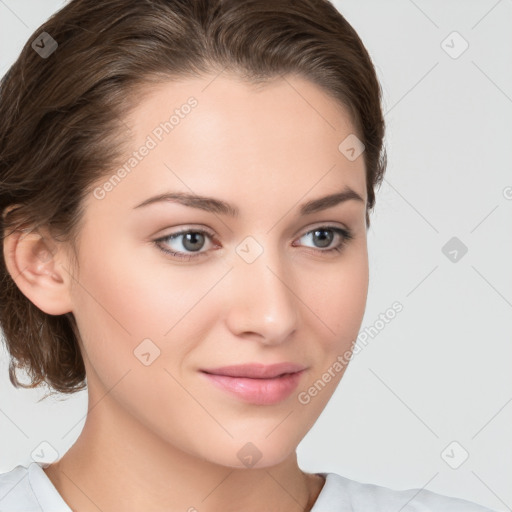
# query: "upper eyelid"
{"points": [[211, 233]]}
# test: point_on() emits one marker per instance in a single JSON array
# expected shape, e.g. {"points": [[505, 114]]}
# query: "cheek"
{"points": [[339, 301], [123, 317], [129, 294], [121, 303], [338, 296]]}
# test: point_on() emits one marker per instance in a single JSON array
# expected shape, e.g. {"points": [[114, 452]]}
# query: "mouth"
{"points": [[257, 370], [256, 383]]}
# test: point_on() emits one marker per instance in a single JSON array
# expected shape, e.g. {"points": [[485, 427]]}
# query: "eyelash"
{"points": [[345, 234]]}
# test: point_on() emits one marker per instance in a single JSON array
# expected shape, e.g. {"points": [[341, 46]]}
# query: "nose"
{"points": [[263, 304]]}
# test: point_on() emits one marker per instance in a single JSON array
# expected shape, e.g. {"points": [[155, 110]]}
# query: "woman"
{"points": [[131, 132]]}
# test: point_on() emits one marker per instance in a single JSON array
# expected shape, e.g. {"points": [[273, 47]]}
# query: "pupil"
{"points": [[326, 241], [192, 237]]}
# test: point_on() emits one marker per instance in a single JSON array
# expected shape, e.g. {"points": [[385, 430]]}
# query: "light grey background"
{"points": [[440, 371]]}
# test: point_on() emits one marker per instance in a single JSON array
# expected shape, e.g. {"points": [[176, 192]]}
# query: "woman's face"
{"points": [[257, 287]]}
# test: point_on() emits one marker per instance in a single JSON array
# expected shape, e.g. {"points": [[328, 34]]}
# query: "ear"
{"points": [[40, 268]]}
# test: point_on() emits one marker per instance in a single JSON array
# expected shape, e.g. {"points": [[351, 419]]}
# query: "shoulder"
{"points": [[28, 489], [343, 494], [15, 491]]}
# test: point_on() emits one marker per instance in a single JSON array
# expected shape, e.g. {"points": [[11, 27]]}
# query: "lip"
{"points": [[257, 384], [256, 370]]}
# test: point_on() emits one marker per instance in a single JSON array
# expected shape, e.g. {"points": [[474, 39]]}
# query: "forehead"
{"points": [[279, 109], [219, 135]]}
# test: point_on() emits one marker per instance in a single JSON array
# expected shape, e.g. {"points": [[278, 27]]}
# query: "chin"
{"points": [[257, 454]]}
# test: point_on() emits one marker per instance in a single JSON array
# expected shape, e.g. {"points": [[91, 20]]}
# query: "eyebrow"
{"points": [[213, 205]]}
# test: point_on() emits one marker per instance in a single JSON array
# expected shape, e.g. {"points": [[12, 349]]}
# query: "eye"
{"points": [[193, 240], [318, 235]]}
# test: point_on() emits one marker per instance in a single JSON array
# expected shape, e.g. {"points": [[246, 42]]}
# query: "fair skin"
{"points": [[162, 437]]}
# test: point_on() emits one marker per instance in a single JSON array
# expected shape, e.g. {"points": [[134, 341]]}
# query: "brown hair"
{"points": [[61, 119]]}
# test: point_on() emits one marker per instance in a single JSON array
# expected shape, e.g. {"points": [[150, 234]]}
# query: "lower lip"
{"points": [[258, 391]]}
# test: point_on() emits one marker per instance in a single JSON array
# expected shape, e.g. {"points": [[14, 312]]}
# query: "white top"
{"points": [[30, 490]]}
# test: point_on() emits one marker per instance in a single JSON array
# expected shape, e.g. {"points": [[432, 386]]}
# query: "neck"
{"points": [[119, 464]]}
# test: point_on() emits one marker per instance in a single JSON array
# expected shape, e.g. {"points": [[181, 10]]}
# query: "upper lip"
{"points": [[256, 370]]}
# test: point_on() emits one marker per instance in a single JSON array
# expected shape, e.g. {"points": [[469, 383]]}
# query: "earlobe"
{"points": [[39, 269]]}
